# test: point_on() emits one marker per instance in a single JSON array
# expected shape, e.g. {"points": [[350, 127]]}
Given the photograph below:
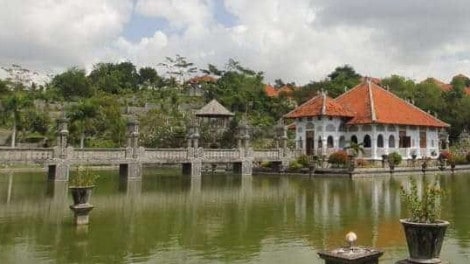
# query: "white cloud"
{"points": [[58, 33], [297, 40]]}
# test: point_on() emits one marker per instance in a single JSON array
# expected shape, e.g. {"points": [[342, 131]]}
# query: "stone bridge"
{"points": [[131, 158]]}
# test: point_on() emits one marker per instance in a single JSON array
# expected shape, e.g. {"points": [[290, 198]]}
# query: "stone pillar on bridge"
{"points": [[246, 153], [58, 170], [193, 168], [131, 169]]}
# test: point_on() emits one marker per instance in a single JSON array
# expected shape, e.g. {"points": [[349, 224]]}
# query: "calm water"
{"points": [[220, 219]]}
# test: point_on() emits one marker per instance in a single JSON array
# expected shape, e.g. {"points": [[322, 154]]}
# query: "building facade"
{"points": [[369, 115]]}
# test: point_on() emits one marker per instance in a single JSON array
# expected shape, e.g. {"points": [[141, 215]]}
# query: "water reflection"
{"points": [[216, 218]]}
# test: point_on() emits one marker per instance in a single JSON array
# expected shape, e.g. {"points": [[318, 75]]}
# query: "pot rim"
{"points": [[439, 222], [81, 187]]}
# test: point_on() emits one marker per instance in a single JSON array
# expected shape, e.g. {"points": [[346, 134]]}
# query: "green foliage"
{"points": [[114, 78], [295, 165], [423, 205], [338, 158], [98, 116], [303, 160], [83, 177], [72, 84], [404, 88], [394, 158], [355, 148], [344, 77]]}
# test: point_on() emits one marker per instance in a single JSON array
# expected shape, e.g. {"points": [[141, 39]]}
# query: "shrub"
{"points": [[83, 178], [362, 163], [338, 158], [295, 165], [303, 160], [445, 155], [266, 164], [424, 208], [467, 157], [394, 158]]}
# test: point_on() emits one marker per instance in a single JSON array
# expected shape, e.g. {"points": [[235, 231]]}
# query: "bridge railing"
{"points": [[25, 155], [99, 154], [221, 154], [175, 154], [266, 154]]}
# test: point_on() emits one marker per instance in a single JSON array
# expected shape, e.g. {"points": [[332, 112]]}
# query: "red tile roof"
{"points": [[371, 103], [467, 90], [270, 91], [320, 105], [444, 86], [286, 89], [204, 78]]}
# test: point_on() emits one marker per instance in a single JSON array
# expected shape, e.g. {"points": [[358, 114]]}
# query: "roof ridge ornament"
{"points": [[371, 99], [323, 106]]}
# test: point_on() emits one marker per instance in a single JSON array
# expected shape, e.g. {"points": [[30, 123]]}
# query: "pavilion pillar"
{"points": [[323, 146], [336, 142], [374, 146]]}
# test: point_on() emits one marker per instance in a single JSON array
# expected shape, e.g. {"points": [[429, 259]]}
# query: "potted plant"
{"points": [[81, 183], [393, 160], [424, 231]]}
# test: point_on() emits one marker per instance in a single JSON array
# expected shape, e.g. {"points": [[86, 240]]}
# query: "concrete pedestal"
{"points": [[81, 213], [354, 255]]}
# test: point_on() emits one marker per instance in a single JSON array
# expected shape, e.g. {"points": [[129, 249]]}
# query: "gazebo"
{"points": [[216, 116]]}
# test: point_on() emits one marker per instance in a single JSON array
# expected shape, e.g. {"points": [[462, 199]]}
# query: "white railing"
{"points": [[98, 154], [165, 154], [27, 155]]}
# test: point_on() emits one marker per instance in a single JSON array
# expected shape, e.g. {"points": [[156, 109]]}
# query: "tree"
{"points": [[355, 148], [148, 77], [342, 78], [114, 78], [178, 68], [402, 87], [72, 84], [19, 78], [14, 105], [82, 116], [4, 87], [429, 97]]}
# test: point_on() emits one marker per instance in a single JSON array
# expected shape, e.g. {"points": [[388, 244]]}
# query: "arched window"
{"points": [[329, 142], [367, 141], [320, 144], [380, 141], [391, 141], [353, 139], [342, 142]]}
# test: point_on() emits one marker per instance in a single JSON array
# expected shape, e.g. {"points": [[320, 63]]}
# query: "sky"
{"points": [[293, 40]]}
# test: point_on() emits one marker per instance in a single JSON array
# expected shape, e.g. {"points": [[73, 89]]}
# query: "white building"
{"points": [[371, 115]]}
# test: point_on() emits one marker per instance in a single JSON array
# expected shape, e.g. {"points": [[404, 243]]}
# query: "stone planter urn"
{"points": [[424, 241], [81, 206]]}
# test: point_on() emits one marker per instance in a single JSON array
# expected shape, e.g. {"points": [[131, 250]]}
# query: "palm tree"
{"points": [[13, 106], [355, 148], [82, 117]]}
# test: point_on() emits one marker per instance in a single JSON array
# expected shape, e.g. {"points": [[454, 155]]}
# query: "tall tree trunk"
{"points": [[82, 140], [13, 134]]}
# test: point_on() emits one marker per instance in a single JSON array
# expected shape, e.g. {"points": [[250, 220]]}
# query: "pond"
{"points": [[168, 218]]}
